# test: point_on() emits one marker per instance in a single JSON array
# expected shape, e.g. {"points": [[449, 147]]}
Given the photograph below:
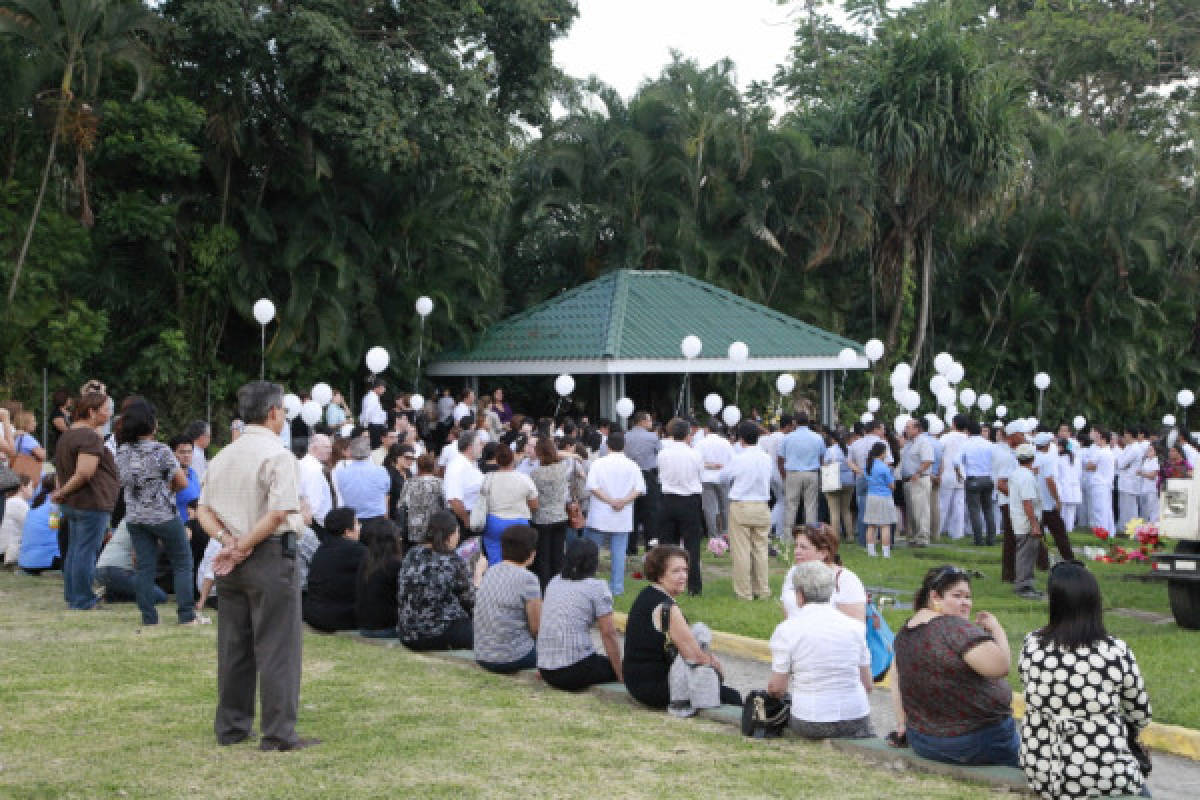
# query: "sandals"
{"points": [[897, 740]]}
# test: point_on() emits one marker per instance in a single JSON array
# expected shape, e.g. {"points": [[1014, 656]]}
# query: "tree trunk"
{"points": [[926, 289], [37, 206], [225, 191], [897, 315]]}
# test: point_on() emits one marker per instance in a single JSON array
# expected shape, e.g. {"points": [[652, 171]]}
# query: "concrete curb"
{"points": [[1168, 738]]}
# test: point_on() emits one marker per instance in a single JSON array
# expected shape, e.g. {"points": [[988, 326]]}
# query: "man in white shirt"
{"points": [[380, 453], [715, 452], [463, 478], [951, 490], [445, 406], [1099, 467], [748, 478], [1046, 468], [1129, 483], [614, 482], [313, 485], [372, 416], [1024, 508], [465, 406], [916, 460], [679, 512], [975, 469]]}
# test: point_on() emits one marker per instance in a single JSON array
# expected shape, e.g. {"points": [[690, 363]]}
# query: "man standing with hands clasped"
{"points": [[250, 504]]}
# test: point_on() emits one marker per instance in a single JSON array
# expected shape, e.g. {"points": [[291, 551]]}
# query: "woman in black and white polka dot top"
{"points": [[1084, 697]]}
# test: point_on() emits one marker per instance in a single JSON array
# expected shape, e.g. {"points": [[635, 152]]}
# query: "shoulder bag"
{"points": [[879, 642], [26, 464], [763, 716], [831, 477], [479, 513]]}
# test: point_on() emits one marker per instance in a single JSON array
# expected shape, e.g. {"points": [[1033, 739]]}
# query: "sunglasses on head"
{"points": [[949, 571]]}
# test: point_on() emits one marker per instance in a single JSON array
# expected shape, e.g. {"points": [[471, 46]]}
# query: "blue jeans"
{"points": [[145, 548], [85, 531], [120, 586], [491, 536], [860, 496], [996, 744], [616, 542]]}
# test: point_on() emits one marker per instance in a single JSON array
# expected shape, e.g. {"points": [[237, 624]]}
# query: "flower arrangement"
{"points": [[718, 545], [1147, 536]]}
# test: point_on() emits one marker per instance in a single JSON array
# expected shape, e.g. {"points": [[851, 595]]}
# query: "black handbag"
{"points": [[1139, 750], [764, 716]]}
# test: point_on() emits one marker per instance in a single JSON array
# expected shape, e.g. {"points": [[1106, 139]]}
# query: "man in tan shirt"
{"points": [[250, 504]]}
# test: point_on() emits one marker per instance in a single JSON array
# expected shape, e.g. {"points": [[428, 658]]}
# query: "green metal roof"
{"points": [[634, 315]]}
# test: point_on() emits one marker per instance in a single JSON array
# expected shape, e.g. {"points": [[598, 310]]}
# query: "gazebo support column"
{"points": [[828, 410], [612, 389]]}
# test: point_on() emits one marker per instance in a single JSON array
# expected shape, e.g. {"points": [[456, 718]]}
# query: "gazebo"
{"points": [[633, 321]]}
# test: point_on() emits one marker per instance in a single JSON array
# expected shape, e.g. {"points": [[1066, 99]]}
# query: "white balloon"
{"points": [[1080, 422], [942, 362], [898, 393], [938, 384], [713, 403], [847, 357], [291, 406], [1169, 420], [377, 359], [564, 385], [874, 349], [416, 402], [731, 415], [424, 306], [900, 421], [911, 400], [984, 401], [967, 397], [956, 373], [1001, 412], [739, 352], [899, 381], [691, 346], [785, 383], [872, 404], [310, 412], [866, 417], [1041, 381], [936, 426], [322, 393], [1185, 397], [948, 397], [264, 311], [904, 370], [624, 408]]}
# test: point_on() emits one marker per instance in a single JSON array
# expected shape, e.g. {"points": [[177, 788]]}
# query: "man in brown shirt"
{"points": [[250, 504]]}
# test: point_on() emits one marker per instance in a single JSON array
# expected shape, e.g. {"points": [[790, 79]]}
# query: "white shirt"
{"points": [[861, 448], [1150, 464], [449, 451], [205, 570], [15, 510], [314, 488], [822, 649], [1105, 470], [1004, 464], [952, 445], [199, 462], [770, 444], [679, 469], [1070, 478], [461, 411], [1127, 462], [714, 449], [372, 411], [749, 476], [847, 588], [617, 476], [445, 407], [1022, 486], [462, 481]]}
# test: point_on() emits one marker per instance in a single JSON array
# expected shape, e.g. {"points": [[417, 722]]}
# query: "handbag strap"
{"points": [[665, 623]]}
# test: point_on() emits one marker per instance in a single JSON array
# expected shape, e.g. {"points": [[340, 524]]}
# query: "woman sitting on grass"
{"points": [[378, 575], [821, 654], [1075, 740], [508, 606], [819, 543], [329, 602], [436, 595], [575, 600], [646, 663], [951, 698]]}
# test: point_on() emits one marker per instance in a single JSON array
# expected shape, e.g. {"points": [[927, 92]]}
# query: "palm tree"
{"points": [[80, 37]]}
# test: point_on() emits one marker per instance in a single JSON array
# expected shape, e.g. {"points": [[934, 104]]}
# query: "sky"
{"points": [[624, 42]]}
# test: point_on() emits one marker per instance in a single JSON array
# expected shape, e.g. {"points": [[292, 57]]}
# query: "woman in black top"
{"points": [[375, 603], [646, 665], [397, 462], [332, 576]]}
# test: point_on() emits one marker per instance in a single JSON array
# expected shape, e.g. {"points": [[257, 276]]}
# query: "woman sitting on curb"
{"points": [[508, 606], [436, 595], [575, 600], [951, 698], [823, 654]]}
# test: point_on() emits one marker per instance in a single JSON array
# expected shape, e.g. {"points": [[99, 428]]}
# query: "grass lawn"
{"points": [[1165, 652], [95, 707]]}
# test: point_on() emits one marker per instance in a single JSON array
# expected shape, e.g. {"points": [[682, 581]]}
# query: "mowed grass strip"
{"points": [[96, 707], [1165, 652]]}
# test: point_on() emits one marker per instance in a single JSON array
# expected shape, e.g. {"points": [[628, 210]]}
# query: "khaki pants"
{"points": [[801, 486], [841, 512], [916, 507], [749, 524]]}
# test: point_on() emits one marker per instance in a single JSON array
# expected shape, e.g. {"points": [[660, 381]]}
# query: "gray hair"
{"points": [[317, 440], [814, 580], [256, 399], [465, 440]]}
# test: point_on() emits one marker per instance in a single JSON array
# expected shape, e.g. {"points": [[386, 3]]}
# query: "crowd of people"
{"points": [[463, 525]]}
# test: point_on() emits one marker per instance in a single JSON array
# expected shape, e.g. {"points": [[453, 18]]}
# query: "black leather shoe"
{"points": [[283, 747]]}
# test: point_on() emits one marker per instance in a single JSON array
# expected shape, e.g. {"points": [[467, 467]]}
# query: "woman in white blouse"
{"points": [[820, 655], [819, 543]]}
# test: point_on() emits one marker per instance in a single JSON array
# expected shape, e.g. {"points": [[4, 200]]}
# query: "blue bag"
{"points": [[879, 642]]}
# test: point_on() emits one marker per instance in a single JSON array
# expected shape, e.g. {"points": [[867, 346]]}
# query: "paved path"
{"points": [[1173, 778]]}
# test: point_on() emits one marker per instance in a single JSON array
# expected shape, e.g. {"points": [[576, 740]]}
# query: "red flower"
{"points": [[1100, 533], [637, 576]]}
